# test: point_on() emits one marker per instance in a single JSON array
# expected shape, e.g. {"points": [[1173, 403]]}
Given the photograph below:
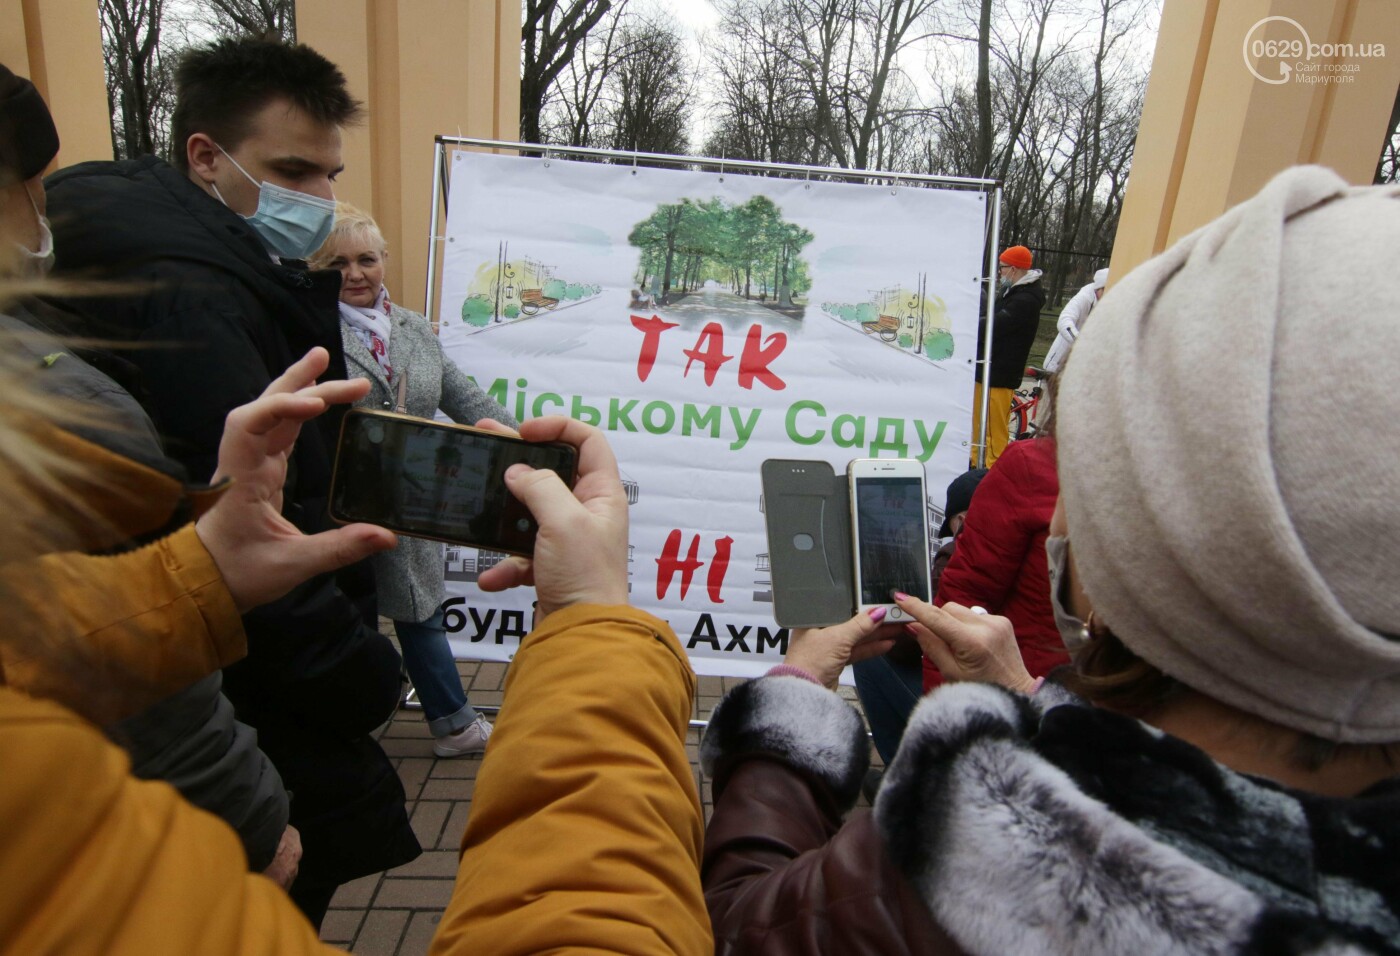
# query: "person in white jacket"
{"points": [[1072, 320]]}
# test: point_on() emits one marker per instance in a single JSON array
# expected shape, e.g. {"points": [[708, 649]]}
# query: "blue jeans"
{"points": [[888, 691], [433, 671]]}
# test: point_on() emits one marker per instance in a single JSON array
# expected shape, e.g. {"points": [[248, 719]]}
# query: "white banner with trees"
{"points": [[708, 322]]}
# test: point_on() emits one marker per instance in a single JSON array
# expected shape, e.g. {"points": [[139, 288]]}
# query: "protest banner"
{"points": [[708, 321]]}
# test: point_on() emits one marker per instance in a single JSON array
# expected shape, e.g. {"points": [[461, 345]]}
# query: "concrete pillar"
{"points": [[422, 68], [1222, 115], [57, 44]]}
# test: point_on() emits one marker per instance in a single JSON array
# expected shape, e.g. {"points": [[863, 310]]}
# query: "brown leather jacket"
{"points": [[782, 875]]}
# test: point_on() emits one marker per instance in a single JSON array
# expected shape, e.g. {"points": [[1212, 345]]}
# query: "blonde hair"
{"points": [[351, 223]]}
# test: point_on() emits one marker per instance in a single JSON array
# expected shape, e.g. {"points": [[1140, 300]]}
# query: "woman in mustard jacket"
{"points": [[603, 854]]}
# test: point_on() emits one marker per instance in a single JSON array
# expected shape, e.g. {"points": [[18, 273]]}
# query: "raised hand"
{"points": [[824, 652], [968, 645], [261, 554], [581, 549]]}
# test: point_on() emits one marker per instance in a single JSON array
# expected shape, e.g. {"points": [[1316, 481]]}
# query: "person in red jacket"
{"points": [[1000, 562]]}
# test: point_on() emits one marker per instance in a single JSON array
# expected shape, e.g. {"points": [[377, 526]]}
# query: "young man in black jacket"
{"points": [[225, 302], [1015, 319]]}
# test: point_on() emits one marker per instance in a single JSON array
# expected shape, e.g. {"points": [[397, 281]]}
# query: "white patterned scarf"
{"points": [[371, 325]]}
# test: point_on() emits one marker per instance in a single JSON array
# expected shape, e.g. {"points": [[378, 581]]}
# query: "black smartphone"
{"points": [[437, 480]]}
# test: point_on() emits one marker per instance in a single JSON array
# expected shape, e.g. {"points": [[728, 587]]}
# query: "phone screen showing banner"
{"points": [[890, 514], [707, 322]]}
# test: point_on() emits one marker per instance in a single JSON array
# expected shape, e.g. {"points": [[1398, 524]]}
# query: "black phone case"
{"points": [[807, 513], [466, 541]]}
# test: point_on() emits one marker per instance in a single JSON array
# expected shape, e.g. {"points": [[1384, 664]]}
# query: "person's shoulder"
{"points": [[1034, 456], [106, 173], [42, 734], [399, 313]]}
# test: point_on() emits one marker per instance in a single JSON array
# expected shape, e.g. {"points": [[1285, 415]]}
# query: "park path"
{"points": [[713, 304]]}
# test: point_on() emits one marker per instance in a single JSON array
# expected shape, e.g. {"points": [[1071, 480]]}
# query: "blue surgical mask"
{"points": [[1073, 631], [1004, 286], [292, 225]]}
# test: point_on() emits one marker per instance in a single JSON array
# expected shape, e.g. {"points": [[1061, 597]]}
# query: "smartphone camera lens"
{"points": [[523, 524], [375, 433]]}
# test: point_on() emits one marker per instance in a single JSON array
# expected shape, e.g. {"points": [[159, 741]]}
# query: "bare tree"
{"points": [[139, 81], [274, 19], [763, 111], [824, 74], [550, 35], [573, 104], [649, 106], [1388, 166]]}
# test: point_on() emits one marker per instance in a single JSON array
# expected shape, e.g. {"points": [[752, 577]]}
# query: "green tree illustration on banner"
{"points": [[749, 249]]}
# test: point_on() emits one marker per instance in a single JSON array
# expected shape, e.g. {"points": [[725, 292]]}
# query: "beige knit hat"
{"points": [[1230, 466]]}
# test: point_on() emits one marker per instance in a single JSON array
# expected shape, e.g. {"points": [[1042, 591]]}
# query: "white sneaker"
{"points": [[471, 739]]}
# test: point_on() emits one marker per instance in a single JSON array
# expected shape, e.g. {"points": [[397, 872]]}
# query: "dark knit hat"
{"points": [[960, 496], [28, 139]]}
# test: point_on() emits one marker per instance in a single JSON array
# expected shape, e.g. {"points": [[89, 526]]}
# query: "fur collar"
{"points": [[1038, 825], [1029, 827]]}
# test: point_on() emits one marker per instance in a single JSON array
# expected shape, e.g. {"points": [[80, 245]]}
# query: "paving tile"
{"points": [[486, 698], [449, 788], [710, 686], [456, 768], [381, 932], [340, 926], [451, 838], [435, 863], [420, 933], [427, 820], [407, 746], [413, 771], [356, 894], [415, 894], [490, 675], [411, 726]]}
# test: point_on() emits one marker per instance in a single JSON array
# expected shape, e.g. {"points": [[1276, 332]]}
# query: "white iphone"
{"points": [[889, 532]]}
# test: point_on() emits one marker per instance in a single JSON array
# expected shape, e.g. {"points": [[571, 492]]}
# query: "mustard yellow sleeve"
{"points": [[97, 862], [155, 620], [585, 831]]}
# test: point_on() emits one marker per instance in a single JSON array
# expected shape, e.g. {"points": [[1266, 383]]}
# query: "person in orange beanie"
{"points": [[1016, 317]]}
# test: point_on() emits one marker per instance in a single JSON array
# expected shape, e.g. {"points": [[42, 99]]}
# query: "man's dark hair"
{"points": [[219, 88]]}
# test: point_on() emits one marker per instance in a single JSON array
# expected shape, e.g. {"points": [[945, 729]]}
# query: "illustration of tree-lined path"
{"points": [[749, 249]]}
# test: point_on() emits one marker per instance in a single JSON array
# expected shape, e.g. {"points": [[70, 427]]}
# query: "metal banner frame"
{"points": [[443, 145]]}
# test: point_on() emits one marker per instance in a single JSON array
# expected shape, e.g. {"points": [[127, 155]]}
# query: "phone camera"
{"points": [[374, 433], [523, 524]]}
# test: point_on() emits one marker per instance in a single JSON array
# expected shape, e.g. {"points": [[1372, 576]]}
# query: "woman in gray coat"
{"points": [[397, 350]]}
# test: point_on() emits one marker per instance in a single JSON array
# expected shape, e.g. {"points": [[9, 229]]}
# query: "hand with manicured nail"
{"points": [[824, 652], [966, 645]]}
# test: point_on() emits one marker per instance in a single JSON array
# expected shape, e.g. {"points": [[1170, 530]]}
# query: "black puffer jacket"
{"points": [[218, 320], [1015, 321]]}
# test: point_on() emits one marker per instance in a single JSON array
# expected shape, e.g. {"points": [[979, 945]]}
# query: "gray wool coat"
{"points": [[409, 579]]}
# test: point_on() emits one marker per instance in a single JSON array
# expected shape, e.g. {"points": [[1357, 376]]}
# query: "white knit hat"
{"points": [[1230, 471]]}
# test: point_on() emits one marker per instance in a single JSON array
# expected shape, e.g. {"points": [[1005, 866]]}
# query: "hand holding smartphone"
{"points": [[436, 480], [889, 525]]}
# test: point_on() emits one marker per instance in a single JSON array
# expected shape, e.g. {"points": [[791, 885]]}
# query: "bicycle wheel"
{"points": [[1018, 427]]}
